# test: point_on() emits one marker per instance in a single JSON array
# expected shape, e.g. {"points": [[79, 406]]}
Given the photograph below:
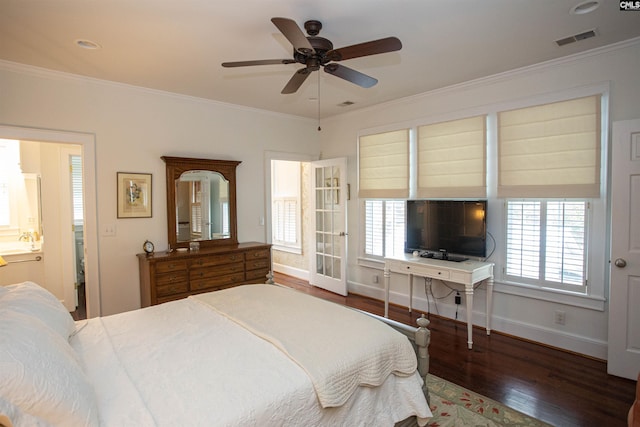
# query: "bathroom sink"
{"points": [[10, 248]]}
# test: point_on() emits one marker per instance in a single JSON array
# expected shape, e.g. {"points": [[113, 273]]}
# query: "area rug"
{"points": [[455, 406]]}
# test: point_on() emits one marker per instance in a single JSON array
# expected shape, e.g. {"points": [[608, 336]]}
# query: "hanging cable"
{"points": [[319, 128]]}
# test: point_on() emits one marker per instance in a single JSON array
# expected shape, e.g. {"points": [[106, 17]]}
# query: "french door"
{"points": [[329, 224]]}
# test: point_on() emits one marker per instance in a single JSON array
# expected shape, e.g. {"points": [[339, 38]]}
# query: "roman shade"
{"points": [[452, 159], [383, 165], [550, 150]]}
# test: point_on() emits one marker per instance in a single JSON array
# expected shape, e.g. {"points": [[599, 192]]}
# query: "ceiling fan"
{"points": [[314, 52]]}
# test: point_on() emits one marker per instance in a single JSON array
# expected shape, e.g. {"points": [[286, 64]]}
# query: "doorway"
{"points": [[86, 142]]}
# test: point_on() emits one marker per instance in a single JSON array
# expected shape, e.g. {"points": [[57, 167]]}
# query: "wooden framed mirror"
{"points": [[201, 202]]}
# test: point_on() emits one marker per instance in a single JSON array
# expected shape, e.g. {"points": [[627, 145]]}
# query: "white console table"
{"points": [[467, 273]]}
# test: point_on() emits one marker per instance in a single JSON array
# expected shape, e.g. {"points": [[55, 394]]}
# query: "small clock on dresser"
{"points": [[148, 247]]}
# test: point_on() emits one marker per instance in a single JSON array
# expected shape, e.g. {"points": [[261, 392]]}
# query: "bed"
{"points": [[261, 355]]}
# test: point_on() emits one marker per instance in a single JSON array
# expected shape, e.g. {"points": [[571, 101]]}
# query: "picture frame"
{"points": [[134, 195]]}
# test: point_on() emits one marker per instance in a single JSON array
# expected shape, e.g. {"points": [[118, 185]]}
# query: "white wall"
{"points": [[133, 128], [586, 328]]}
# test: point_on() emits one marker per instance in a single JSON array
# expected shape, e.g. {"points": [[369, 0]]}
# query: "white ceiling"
{"points": [[178, 45]]}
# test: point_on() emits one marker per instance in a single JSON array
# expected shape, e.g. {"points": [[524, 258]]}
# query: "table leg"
{"points": [[410, 291], [489, 303], [387, 279], [469, 298]]}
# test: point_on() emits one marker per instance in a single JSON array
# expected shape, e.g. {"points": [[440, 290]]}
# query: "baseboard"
{"points": [[291, 271], [545, 336]]}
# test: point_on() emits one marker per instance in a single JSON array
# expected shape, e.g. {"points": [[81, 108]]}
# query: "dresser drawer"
{"points": [[171, 278], [259, 276], [258, 254], [219, 270], [257, 264], [169, 266], [210, 261], [217, 281], [172, 289]]}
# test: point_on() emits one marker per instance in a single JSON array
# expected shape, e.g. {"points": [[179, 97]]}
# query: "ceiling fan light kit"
{"points": [[316, 52]]}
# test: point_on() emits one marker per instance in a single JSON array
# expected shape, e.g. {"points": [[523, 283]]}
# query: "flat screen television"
{"points": [[437, 228]]}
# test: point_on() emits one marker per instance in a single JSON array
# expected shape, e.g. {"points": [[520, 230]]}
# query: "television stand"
{"points": [[467, 273]]}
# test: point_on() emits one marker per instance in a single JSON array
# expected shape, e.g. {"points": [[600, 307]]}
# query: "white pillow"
{"points": [[12, 416], [40, 374], [34, 300]]}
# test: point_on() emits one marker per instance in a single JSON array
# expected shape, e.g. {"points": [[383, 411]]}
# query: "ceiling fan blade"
{"points": [[258, 62], [374, 47], [296, 81], [350, 75], [294, 34]]}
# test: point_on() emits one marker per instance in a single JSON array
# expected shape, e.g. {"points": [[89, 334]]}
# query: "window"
{"points": [[286, 205], [285, 221], [76, 188], [384, 227], [546, 243]]}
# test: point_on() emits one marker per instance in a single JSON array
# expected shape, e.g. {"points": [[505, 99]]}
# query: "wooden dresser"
{"points": [[166, 276]]}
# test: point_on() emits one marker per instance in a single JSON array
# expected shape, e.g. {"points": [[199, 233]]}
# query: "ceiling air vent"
{"points": [[576, 37], [346, 103]]}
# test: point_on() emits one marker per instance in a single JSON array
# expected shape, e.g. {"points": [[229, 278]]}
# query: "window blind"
{"points": [[547, 240], [384, 231], [452, 158], [550, 150], [383, 165], [76, 188]]}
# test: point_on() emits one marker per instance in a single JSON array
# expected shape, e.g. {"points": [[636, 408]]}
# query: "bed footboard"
{"points": [[420, 337]]}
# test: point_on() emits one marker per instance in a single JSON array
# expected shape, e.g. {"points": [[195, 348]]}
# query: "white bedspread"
{"points": [[182, 363], [339, 348]]}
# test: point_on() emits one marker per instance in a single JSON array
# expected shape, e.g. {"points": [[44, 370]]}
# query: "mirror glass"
{"points": [[202, 206]]}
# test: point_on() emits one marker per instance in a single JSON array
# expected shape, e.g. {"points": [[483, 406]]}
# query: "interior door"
{"points": [[329, 222], [624, 292], [68, 243]]}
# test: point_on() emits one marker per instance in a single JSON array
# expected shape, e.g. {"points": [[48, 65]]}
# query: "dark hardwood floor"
{"points": [[555, 386]]}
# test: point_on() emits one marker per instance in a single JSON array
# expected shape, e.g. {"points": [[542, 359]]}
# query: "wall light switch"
{"points": [[109, 230]]}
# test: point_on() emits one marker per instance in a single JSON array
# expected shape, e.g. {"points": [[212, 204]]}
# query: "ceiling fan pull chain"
{"points": [[319, 128]]}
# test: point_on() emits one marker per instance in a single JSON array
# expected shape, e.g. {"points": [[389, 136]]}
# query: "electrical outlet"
{"points": [[560, 317], [375, 278], [458, 298]]}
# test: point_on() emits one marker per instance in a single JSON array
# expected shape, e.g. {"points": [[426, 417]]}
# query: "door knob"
{"points": [[620, 263]]}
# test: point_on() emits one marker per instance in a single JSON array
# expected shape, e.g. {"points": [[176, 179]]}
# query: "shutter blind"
{"points": [[76, 186], [550, 150], [383, 165], [452, 159]]}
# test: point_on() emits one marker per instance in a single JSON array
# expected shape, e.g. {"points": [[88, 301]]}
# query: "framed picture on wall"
{"points": [[134, 195]]}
